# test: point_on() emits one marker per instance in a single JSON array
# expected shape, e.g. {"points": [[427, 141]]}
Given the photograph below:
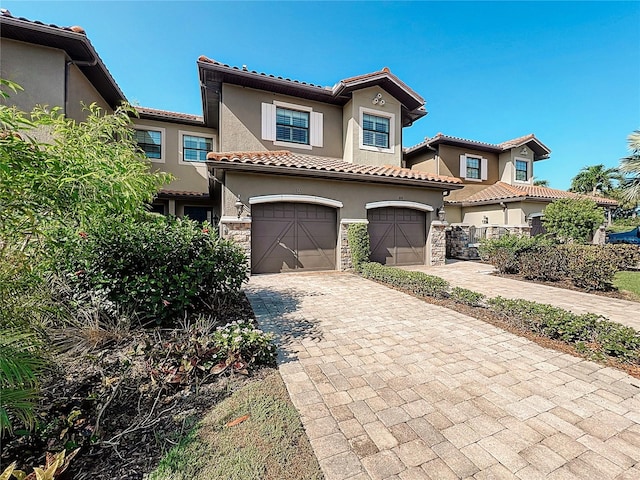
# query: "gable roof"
{"points": [[501, 191], [74, 41], [540, 150], [286, 162], [213, 73]]}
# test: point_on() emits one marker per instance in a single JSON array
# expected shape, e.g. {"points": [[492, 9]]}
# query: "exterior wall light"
{"points": [[239, 206]]}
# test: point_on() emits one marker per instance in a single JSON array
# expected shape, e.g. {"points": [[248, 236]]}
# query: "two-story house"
{"points": [[282, 166], [498, 179]]}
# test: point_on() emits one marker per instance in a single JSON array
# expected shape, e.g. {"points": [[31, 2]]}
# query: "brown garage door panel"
{"points": [[292, 236], [397, 236]]}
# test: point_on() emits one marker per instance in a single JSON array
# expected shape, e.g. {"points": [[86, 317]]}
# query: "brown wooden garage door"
{"points": [[397, 235], [291, 236]]}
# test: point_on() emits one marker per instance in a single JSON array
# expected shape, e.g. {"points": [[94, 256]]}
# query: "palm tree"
{"points": [[631, 166], [594, 179], [541, 183]]}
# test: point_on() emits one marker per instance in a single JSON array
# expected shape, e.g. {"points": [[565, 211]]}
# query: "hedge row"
{"points": [[418, 283], [591, 267]]}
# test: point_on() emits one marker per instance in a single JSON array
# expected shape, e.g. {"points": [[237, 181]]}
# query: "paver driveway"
{"points": [[391, 387]]}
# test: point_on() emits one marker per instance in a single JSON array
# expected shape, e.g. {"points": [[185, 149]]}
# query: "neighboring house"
{"points": [[499, 194], [298, 162]]}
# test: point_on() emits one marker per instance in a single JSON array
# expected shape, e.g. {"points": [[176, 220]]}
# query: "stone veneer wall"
{"points": [[437, 243], [238, 230], [458, 238], [345, 260]]}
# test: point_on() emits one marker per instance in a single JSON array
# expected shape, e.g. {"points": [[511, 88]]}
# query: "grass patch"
{"points": [[270, 444], [628, 282]]}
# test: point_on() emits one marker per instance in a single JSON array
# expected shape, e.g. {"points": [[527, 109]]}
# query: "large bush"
{"points": [[504, 253], [543, 262], [158, 269], [572, 219]]}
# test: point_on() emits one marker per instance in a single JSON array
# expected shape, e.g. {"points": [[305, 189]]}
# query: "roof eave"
{"points": [[169, 119], [304, 172]]}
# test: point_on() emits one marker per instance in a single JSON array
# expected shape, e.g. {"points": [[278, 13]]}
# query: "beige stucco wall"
{"points": [[38, 70], [190, 176], [363, 99], [80, 90], [241, 122], [508, 165], [450, 162], [425, 162], [353, 195], [516, 213]]}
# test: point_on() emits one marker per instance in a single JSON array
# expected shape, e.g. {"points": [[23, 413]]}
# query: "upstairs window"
{"points": [[150, 142], [292, 126], [473, 167], [375, 131], [195, 148], [522, 171]]}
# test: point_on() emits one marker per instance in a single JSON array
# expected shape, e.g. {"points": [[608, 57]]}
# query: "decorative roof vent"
{"points": [[78, 29]]}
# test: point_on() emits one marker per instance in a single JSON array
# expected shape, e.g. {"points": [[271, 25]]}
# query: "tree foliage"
{"points": [[630, 166], [572, 219], [54, 171], [594, 180]]}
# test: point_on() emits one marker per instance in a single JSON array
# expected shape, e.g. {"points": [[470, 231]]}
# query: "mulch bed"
{"points": [[114, 403]]}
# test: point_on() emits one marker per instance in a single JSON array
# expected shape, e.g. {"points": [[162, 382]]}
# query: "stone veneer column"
{"points": [[345, 250], [437, 243], [238, 230]]}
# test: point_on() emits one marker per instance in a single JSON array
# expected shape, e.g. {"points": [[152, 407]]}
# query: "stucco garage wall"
{"points": [[354, 195]]}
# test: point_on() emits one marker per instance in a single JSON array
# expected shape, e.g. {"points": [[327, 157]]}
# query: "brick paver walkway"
{"points": [[390, 387], [477, 276]]}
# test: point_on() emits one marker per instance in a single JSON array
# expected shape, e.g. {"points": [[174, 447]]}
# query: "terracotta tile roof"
{"points": [[500, 147], [169, 115], [205, 59], [310, 163], [503, 191]]}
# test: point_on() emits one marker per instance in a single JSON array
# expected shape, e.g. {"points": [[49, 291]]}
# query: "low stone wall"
{"points": [[463, 240]]}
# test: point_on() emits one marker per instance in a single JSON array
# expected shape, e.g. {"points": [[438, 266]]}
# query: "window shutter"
{"points": [[463, 166], [316, 129], [483, 169], [268, 121]]}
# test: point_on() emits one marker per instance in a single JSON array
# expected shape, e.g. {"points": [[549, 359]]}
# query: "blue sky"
{"points": [[490, 71]]}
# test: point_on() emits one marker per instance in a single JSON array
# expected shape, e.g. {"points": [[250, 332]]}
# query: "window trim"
{"points": [[316, 125], [163, 140], [181, 135], [529, 170], [483, 167], [392, 130]]}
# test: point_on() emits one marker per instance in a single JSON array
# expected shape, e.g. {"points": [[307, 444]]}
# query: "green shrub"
{"points": [[417, 283], [503, 253], [572, 219], [587, 331], [467, 297], [543, 262], [358, 237], [627, 257], [159, 269], [591, 267]]}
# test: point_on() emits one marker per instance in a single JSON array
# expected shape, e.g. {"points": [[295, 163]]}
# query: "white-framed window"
{"points": [[290, 125], [473, 167], [523, 170], [194, 146], [151, 141], [377, 130]]}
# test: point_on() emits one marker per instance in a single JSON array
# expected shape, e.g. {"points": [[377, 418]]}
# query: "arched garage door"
{"points": [[292, 236], [397, 235]]}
